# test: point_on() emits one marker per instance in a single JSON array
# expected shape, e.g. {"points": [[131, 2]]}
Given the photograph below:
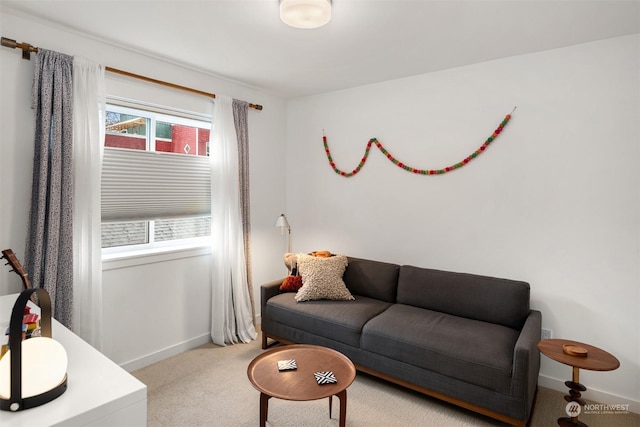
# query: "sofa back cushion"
{"points": [[373, 279], [501, 301]]}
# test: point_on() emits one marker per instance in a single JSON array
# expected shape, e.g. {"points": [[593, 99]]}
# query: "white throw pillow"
{"points": [[322, 278]]}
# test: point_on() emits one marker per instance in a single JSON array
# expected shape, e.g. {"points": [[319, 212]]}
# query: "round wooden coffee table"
{"points": [[300, 383], [578, 356]]}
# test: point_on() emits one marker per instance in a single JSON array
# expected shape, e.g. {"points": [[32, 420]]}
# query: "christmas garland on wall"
{"points": [[400, 164]]}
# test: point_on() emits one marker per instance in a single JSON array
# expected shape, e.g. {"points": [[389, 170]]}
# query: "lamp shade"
{"points": [[44, 366], [33, 371], [305, 14], [281, 221]]}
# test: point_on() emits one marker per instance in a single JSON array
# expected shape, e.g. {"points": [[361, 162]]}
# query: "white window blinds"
{"points": [[143, 185]]}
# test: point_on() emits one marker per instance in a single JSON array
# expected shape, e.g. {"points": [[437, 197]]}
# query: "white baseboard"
{"points": [[593, 394], [164, 353]]}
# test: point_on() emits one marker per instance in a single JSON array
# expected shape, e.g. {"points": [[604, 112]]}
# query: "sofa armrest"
{"points": [[526, 361], [268, 290]]}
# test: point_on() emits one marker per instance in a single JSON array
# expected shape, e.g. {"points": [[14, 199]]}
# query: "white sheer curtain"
{"points": [[231, 316], [88, 145]]}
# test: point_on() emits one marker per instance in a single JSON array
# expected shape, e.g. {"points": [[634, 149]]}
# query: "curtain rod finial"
{"points": [[26, 47], [9, 43]]}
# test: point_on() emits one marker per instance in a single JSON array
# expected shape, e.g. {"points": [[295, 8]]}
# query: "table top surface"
{"points": [[300, 384], [596, 359]]}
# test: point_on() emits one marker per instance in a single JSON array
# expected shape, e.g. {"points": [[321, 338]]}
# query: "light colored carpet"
{"points": [[208, 386]]}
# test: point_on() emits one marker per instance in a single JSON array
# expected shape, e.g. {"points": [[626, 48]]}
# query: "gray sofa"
{"points": [[466, 339]]}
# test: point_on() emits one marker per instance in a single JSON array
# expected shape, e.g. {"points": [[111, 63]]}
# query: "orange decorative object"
{"points": [[321, 254], [291, 284]]}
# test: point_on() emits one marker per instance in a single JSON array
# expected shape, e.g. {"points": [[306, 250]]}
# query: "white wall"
{"points": [[161, 306], [553, 201]]}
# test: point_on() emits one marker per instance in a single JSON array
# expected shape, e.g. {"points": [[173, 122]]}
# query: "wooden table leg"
{"points": [[330, 405], [343, 407], [264, 409]]}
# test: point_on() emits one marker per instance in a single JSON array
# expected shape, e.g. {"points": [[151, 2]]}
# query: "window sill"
{"points": [[150, 256]]}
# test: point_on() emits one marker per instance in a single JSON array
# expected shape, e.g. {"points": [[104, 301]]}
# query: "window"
{"points": [[155, 179]]}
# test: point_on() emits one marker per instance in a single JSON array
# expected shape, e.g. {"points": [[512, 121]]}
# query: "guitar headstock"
{"points": [[12, 260]]}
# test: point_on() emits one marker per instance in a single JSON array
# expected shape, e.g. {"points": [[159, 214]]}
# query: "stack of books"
{"points": [[30, 328]]}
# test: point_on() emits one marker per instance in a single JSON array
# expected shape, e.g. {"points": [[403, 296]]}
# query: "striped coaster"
{"points": [[287, 365], [325, 377]]}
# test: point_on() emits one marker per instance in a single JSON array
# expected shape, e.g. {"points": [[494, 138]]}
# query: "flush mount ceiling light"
{"points": [[305, 13]]}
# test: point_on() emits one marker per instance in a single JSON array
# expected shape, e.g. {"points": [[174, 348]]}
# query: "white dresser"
{"points": [[99, 392]]}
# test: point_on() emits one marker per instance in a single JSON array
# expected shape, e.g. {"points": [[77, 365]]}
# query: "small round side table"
{"points": [[578, 356]]}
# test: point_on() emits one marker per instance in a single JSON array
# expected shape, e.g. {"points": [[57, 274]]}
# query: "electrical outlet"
{"points": [[547, 334]]}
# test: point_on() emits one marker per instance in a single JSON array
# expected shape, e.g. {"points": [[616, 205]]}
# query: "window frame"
{"points": [[137, 253]]}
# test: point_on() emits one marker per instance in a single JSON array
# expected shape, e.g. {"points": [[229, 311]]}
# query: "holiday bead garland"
{"points": [[395, 161]]}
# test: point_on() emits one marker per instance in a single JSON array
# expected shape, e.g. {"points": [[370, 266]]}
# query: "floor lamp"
{"points": [[283, 223]]}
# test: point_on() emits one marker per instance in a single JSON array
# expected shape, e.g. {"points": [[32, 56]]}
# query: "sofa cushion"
{"points": [[501, 301], [322, 278], [476, 352], [372, 279], [340, 321]]}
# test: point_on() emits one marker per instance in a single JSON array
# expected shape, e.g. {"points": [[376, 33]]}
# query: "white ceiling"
{"points": [[366, 41]]}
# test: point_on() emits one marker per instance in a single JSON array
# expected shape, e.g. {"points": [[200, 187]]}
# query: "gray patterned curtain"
{"points": [[240, 119], [49, 254]]}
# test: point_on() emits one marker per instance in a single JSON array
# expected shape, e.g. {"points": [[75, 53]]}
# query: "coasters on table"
{"points": [[287, 365], [325, 377]]}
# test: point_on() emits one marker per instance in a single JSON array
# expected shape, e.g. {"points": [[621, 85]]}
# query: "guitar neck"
{"points": [[12, 260]]}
